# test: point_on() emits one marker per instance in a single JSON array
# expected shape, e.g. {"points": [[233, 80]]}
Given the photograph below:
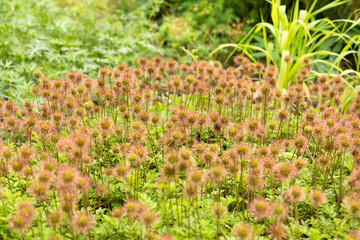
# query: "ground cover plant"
{"points": [[84, 35], [167, 150]]}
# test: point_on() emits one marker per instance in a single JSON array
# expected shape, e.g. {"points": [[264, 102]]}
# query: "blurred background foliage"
{"points": [[57, 36]]}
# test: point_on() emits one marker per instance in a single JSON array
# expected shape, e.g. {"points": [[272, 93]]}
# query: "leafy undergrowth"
{"points": [[84, 35], [170, 151]]}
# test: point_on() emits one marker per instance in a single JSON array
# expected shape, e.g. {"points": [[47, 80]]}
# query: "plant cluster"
{"points": [[82, 35], [302, 33], [176, 151]]}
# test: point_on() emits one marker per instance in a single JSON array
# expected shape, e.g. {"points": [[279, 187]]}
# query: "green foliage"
{"points": [[77, 38], [302, 36], [53, 35], [252, 11]]}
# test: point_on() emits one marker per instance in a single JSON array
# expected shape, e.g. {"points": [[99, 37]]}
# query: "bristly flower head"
{"points": [[243, 232], [83, 184], [343, 142], [283, 115], [288, 59], [121, 171], [219, 211], [352, 204], [254, 165], [69, 201], [323, 161], [26, 153], [307, 61], [141, 152], [168, 171], [253, 126], [295, 194], [186, 154], [196, 177], [10, 107], [255, 181], [82, 222], [18, 223], [172, 158], [172, 66], [105, 126], [23, 219], [39, 191], [148, 218], [300, 143], [317, 197], [241, 60], [279, 211], [260, 207], [269, 164], [243, 150], [26, 209], [48, 164], [55, 219], [191, 191], [217, 173], [209, 157], [277, 231], [118, 212], [300, 164], [101, 189], [130, 209], [67, 179]]}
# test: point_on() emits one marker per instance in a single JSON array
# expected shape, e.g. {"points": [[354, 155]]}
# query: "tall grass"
{"points": [[302, 36]]}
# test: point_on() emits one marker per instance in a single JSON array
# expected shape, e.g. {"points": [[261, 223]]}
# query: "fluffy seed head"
{"points": [[277, 231], [191, 191], [54, 219], [295, 194], [217, 173], [18, 223], [242, 232], [260, 207], [255, 181], [279, 211], [82, 222], [148, 218], [285, 171], [39, 191], [196, 177], [317, 197], [219, 211], [323, 161], [118, 213], [121, 171], [83, 184], [352, 204]]}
